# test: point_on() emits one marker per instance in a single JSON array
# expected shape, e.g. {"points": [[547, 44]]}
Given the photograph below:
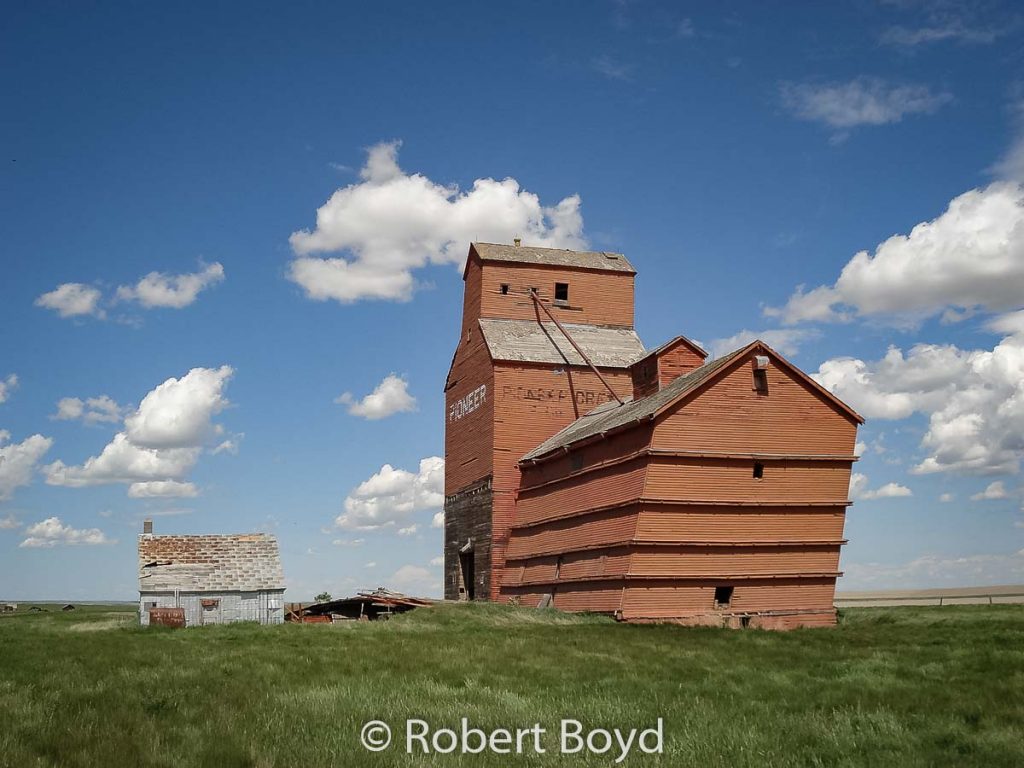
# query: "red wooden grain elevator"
{"points": [[585, 472]]}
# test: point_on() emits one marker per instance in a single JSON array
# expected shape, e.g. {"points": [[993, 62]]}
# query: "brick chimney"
{"points": [[147, 526], [664, 364]]}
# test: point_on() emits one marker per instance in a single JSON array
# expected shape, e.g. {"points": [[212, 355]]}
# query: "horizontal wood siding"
{"points": [[617, 484], [597, 298], [715, 561], [469, 440], [611, 527], [733, 480], [731, 417], [689, 598], [704, 523]]}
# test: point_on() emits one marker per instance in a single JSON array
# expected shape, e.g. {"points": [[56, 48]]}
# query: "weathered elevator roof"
{"points": [[559, 257], [208, 563], [529, 341]]}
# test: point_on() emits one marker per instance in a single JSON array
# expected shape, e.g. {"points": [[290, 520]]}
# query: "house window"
{"points": [[758, 470], [504, 289], [561, 293], [723, 596], [150, 604], [761, 381]]}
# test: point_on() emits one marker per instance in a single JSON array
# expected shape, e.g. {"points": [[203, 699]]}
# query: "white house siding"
{"points": [[264, 606]]}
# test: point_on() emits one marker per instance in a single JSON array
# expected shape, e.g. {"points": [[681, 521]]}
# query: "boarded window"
{"points": [[761, 381], [562, 293], [758, 470], [723, 596]]}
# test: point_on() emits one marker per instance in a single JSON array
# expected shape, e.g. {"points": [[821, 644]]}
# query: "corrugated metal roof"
{"points": [[561, 257], [212, 563], [529, 341], [611, 415]]}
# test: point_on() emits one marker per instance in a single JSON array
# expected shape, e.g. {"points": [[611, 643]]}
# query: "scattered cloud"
{"points": [[159, 289], [907, 37], [229, 446], [970, 257], [438, 521], [417, 580], [9, 523], [859, 448], [391, 223], [391, 396], [73, 300], [785, 341], [863, 101], [686, 28], [1011, 165], [859, 489], [161, 440], [18, 461], [974, 400], [348, 542], [7, 386], [937, 571], [93, 410], [392, 496], [437, 562], [408, 530], [162, 489], [946, 498], [52, 532], [994, 490], [610, 68]]}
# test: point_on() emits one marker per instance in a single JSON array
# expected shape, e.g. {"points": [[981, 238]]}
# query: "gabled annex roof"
{"points": [[558, 257], [612, 416], [530, 341], [675, 340], [212, 563]]}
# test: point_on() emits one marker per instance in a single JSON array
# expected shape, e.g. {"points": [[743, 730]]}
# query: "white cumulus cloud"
{"points": [[994, 490], [937, 571], [162, 489], [391, 223], [9, 523], [974, 400], [93, 410], [785, 341], [970, 257], [391, 396], [72, 300], [7, 386], [392, 496], [52, 532], [18, 461], [859, 489], [161, 441], [159, 289]]}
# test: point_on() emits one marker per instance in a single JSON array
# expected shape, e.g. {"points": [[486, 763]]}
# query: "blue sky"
{"points": [[167, 165]]}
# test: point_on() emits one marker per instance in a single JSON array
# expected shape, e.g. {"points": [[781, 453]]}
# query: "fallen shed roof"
{"points": [[209, 563], [558, 257], [529, 341]]}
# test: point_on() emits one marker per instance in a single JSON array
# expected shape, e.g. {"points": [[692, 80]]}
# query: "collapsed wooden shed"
{"points": [[652, 485]]}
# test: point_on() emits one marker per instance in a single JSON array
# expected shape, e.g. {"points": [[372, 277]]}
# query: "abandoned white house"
{"points": [[213, 579]]}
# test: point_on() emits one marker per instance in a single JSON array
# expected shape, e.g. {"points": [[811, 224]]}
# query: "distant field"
{"points": [[888, 687]]}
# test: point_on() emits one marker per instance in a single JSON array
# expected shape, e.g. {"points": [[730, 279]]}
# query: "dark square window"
{"points": [[504, 289], [562, 292], [758, 470], [723, 596]]}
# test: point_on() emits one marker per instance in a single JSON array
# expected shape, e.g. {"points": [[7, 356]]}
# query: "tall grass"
{"points": [[900, 687]]}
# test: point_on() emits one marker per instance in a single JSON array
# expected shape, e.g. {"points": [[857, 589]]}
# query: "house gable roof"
{"points": [[611, 416], [209, 563]]}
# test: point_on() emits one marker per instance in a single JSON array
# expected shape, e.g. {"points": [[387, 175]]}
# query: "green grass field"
{"points": [[899, 687]]}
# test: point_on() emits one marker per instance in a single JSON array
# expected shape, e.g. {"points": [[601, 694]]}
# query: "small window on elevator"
{"points": [[561, 293], [504, 289], [761, 374], [758, 470], [723, 596]]}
